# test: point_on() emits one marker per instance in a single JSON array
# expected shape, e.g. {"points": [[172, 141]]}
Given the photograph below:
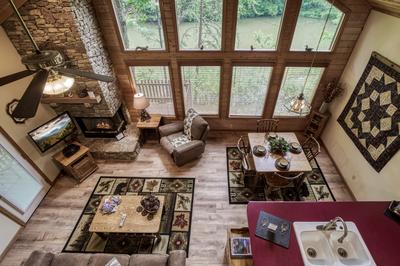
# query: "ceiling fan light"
{"points": [[58, 84]]}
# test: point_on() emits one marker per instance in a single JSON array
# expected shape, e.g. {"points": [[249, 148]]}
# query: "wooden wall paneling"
{"points": [[177, 85], [6, 10], [226, 87]]}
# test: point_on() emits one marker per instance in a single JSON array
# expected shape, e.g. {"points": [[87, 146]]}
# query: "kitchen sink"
{"points": [[325, 247]]}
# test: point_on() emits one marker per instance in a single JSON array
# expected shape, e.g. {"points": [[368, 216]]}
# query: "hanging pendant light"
{"points": [[299, 104]]}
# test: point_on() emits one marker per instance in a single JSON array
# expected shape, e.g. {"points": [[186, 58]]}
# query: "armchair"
{"points": [[181, 147]]}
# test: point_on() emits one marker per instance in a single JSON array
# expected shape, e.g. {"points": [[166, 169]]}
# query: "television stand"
{"points": [[70, 150], [80, 164]]}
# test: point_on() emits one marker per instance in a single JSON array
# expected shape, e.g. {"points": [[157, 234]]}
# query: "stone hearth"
{"points": [[111, 149]]}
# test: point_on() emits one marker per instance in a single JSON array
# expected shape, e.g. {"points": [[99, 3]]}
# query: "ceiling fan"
{"points": [[51, 75]]}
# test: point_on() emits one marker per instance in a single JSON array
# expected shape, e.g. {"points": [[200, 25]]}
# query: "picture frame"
{"points": [[240, 247], [10, 107]]}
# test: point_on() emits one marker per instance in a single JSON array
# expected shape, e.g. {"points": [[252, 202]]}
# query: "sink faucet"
{"points": [[332, 224]]}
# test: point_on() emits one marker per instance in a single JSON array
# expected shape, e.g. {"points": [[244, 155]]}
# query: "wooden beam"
{"points": [[6, 10]]}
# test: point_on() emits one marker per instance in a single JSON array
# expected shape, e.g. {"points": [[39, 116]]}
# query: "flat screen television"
{"points": [[52, 132]]}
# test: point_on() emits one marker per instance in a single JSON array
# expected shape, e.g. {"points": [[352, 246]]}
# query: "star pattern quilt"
{"points": [[371, 118]]}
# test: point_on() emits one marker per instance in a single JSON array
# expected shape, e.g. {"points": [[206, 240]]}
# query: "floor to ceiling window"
{"points": [[229, 59]]}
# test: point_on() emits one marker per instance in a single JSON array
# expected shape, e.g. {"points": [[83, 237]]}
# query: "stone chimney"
{"points": [[69, 26]]}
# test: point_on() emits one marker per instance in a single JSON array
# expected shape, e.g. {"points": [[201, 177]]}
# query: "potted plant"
{"points": [[278, 145], [331, 91]]}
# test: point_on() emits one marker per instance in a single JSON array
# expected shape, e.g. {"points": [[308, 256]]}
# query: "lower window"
{"points": [[249, 89], [292, 85], [154, 82], [201, 88]]}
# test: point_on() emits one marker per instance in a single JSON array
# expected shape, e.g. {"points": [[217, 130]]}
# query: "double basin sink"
{"points": [[322, 246]]}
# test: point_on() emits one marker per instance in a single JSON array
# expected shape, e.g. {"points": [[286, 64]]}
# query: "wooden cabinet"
{"points": [[80, 165], [316, 124]]}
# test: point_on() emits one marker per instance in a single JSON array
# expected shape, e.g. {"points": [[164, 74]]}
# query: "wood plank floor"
{"points": [[53, 221]]}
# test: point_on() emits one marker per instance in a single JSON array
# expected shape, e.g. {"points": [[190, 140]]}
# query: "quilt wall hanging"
{"points": [[371, 118]]}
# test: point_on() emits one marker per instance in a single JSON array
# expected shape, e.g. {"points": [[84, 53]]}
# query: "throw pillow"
{"points": [[113, 262], [187, 123]]}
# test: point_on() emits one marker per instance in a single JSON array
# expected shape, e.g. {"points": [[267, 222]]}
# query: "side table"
{"points": [[80, 165], [149, 125]]}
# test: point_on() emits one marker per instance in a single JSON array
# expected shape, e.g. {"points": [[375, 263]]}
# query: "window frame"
{"points": [[267, 95], [119, 32], [194, 63], [160, 63], [314, 99], [338, 32], [278, 37]]}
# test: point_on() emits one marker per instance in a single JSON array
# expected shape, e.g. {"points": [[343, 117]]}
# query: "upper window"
{"points": [[140, 24], [249, 89], [258, 24], [154, 83], [201, 88], [311, 25], [293, 84], [199, 24]]}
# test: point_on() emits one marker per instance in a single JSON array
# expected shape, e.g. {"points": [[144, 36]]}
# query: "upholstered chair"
{"points": [[181, 147]]}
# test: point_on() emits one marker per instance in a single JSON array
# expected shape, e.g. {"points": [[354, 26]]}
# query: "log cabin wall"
{"points": [[356, 13]]}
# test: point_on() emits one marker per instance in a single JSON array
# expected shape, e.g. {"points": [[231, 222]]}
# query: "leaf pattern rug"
{"points": [[314, 188], [175, 221]]}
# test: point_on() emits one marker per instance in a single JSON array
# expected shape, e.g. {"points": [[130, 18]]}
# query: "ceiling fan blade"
{"points": [[89, 75], [29, 102], [16, 76]]}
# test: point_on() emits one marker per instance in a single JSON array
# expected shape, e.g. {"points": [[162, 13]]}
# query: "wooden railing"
{"points": [[159, 91]]}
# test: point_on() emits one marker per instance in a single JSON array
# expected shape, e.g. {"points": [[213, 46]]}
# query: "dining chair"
{"points": [[282, 180], [267, 125], [246, 157], [311, 148]]}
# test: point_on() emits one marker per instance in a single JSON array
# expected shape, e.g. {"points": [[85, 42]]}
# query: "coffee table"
{"points": [[135, 222]]}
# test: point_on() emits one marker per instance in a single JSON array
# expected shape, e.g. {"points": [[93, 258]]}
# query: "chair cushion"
{"points": [[199, 125], [103, 259], [39, 258], [148, 260], [71, 259], [167, 145]]}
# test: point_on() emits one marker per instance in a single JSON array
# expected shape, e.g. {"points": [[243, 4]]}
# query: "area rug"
{"points": [[175, 220], [371, 117], [314, 188]]}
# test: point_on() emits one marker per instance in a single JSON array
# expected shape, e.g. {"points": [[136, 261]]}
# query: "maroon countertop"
{"points": [[380, 234]]}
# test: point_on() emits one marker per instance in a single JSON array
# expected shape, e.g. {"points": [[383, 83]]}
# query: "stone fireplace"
{"points": [[102, 127], [71, 27]]}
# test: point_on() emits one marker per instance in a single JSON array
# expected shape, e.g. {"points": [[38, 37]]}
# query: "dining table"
{"points": [[298, 162]]}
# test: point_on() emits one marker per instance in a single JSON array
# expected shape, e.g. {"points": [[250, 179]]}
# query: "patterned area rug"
{"points": [[314, 187], [175, 221]]}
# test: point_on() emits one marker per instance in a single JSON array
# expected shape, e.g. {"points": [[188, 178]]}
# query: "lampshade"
{"points": [[140, 102], [57, 84]]}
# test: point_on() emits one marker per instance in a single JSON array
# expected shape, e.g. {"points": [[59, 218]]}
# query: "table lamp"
{"points": [[140, 102]]}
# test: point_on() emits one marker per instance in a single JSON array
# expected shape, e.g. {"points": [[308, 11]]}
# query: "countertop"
{"points": [[380, 233]]}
